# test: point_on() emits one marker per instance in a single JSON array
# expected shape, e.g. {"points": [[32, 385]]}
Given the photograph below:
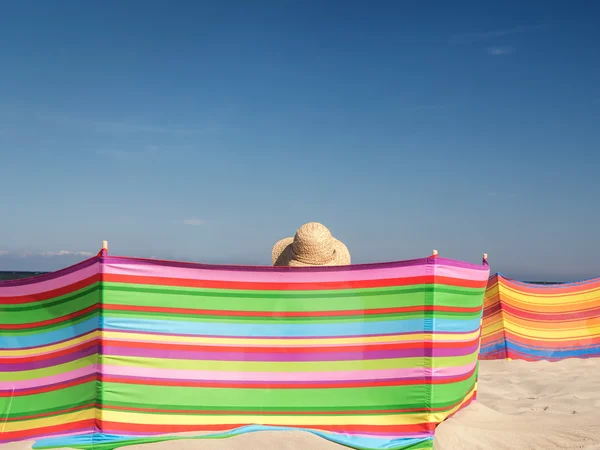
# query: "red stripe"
{"points": [[391, 282], [265, 286], [74, 315], [559, 343], [124, 428], [566, 316], [295, 350], [51, 355], [230, 313], [83, 426], [279, 385], [31, 298], [491, 310]]}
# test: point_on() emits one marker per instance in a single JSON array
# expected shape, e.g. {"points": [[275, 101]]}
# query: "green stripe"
{"points": [[65, 324], [281, 301], [306, 399], [310, 366], [359, 409], [49, 312], [270, 319], [48, 303], [51, 411], [61, 399]]}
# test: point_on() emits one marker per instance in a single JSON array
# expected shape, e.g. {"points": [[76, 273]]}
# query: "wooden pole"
{"points": [[485, 256], [105, 245], [435, 253]]}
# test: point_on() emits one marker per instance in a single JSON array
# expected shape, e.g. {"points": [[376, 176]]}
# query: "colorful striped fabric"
{"points": [[49, 347], [116, 351], [540, 322]]}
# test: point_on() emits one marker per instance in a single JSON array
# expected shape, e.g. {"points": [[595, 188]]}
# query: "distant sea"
{"points": [[17, 275]]}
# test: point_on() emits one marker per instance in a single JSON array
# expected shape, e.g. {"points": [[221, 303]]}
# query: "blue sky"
{"points": [[206, 131]]}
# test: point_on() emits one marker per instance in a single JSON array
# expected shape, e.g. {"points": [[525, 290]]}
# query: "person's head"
{"points": [[313, 245]]}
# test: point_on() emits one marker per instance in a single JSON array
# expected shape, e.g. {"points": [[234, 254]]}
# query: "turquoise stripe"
{"points": [[50, 337], [290, 329], [101, 441]]}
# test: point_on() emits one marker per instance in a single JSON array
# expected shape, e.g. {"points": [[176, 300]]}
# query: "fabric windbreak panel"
{"points": [[49, 345], [372, 357], [541, 322]]}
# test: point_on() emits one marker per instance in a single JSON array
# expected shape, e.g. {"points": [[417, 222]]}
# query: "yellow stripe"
{"points": [[441, 416], [50, 348], [536, 333], [50, 421], [191, 419], [115, 335], [530, 333], [566, 297], [542, 307]]}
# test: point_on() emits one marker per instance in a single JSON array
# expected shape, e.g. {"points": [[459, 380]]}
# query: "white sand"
{"points": [[520, 406], [523, 406]]}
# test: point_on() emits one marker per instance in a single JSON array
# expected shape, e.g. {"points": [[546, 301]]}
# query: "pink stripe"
{"points": [[52, 379], [178, 374], [49, 285], [161, 271], [461, 272]]}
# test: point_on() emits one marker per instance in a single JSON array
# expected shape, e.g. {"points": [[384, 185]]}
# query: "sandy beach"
{"points": [[521, 405]]}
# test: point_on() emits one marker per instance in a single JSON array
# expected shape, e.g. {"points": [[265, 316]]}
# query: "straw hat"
{"points": [[313, 245]]}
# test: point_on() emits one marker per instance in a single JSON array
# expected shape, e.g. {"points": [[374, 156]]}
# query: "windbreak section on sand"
{"points": [[372, 357], [541, 322]]}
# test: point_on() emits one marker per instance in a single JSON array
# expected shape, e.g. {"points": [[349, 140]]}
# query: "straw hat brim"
{"points": [[284, 256]]}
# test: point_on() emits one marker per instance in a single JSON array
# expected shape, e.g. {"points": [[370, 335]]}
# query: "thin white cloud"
{"points": [[127, 127], [65, 253], [501, 195], [167, 148], [29, 254], [194, 222], [466, 38], [119, 155], [435, 106], [148, 151], [114, 126], [499, 51]]}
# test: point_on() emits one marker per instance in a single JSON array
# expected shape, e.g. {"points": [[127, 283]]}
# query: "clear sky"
{"points": [[206, 131]]}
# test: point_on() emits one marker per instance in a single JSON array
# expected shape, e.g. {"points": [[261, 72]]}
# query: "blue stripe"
{"points": [[50, 337], [104, 441], [291, 329], [554, 353], [496, 346]]}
